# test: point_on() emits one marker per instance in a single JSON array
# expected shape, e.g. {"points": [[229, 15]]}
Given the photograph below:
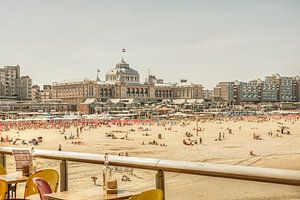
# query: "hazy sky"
{"points": [[202, 41]]}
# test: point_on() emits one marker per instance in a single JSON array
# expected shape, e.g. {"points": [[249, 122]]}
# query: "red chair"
{"points": [[43, 187]]}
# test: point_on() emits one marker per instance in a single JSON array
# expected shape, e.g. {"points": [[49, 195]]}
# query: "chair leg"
{"points": [[12, 191], [8, 192], [15, 190]]}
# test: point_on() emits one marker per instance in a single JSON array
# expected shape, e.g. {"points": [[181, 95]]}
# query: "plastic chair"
{"points": [[43, 187], [2, 170], [135, 197], [49, 175], [3, 189], [155, 194]]}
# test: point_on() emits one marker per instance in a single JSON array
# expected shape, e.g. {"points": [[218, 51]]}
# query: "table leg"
{"points": [[8, 192]]}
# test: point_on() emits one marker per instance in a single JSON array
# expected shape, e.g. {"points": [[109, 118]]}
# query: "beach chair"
{"points": [[51, 176], [3, 189], [2, 170], [43, 187], [155, 194]]}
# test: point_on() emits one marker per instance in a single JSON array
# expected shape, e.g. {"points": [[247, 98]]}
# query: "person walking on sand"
{"points": [[252, 153], [59, 147]]}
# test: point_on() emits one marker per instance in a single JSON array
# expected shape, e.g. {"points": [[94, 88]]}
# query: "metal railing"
{"points": [[270, 175]]}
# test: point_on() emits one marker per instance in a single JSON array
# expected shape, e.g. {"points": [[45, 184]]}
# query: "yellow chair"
{"points": [[3, 189], [2, 170], [155, 194], [49, 175]]}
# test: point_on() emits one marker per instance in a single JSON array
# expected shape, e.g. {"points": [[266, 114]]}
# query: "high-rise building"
{"points": [[224, 91], [208, 94], [8, 80], [24, 88], [46, 93], [12, 85], [281, 89], [274, 88], [247, 92], [271, 89], [287, 89], [297, 88], [36, 93]]}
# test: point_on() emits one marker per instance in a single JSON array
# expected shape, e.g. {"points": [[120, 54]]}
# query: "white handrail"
{"points": [[271, 175]]}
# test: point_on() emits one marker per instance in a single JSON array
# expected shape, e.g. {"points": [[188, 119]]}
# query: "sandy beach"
{"points": [[274, 150]]}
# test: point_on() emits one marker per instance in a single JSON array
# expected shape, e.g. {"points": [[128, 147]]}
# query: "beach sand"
{"points": [[272, 152]]}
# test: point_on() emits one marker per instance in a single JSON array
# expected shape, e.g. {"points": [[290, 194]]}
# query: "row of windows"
{"points": [[126, 78], [137, 90]]}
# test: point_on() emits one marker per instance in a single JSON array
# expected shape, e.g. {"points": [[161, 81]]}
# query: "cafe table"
{"points": [[95, 193], [13, 178]]}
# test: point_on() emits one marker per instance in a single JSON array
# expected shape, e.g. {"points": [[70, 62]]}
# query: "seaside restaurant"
{"points": [[28, 182]]}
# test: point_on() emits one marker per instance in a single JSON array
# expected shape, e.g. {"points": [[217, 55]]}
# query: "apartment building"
{"points": [[36, 93], [24, 88], [14, 86], [224, 91]]}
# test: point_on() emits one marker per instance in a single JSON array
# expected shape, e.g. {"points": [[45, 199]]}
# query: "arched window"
{"points": [[128, 92]]}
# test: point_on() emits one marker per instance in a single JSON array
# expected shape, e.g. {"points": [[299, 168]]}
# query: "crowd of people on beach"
{"points": [[81, 125], [189, 137], [65, 124]]}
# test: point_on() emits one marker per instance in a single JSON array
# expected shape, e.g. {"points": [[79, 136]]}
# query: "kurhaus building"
{"points": [[123, 82]]}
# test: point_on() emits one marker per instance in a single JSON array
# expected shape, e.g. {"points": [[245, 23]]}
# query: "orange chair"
{"points": [[51, 176], [155, 194], [3, 189]]}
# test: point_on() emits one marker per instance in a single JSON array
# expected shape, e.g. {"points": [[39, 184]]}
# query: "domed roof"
{"points": [[123, 71], [122, 68]]}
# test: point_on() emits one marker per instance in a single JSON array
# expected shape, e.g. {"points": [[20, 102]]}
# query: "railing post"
{"points": [[160, 181], [3, 160], [63, 175]]}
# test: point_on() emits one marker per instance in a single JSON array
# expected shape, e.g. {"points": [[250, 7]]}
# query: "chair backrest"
{"points": [[155, 194], [3, 189], [51, 176], [2, 170], [22, 158], [43, 187]]}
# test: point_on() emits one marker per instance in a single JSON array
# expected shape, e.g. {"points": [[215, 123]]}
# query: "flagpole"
{"points": [[123, 52]]}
